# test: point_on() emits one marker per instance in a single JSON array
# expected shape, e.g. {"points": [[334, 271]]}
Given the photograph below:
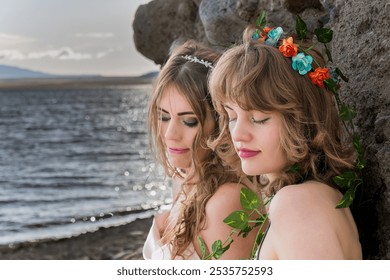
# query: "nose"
{"points": [[172, 131], [240, 130]]}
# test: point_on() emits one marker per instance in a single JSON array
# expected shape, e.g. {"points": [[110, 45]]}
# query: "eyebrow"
{"points": [[227, 107], [179, 114]]}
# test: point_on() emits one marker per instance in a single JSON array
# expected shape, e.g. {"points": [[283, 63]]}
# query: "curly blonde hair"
{"points": [[258, 77], [190, 79]]}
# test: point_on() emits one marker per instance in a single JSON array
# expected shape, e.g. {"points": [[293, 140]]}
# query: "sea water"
{"points": [[75, 160]]}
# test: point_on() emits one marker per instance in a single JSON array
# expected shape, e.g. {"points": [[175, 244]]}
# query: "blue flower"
{"points": [[273, 36], [256, 35], [302, 63]]}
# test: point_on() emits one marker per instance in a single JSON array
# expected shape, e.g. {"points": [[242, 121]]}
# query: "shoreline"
{"points": [[124, 242]]}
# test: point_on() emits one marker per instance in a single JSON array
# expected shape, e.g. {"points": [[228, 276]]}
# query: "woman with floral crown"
{"points": [[280, 123], [181, 121]]}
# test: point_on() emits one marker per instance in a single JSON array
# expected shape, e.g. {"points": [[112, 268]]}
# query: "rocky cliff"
{"points": [[360, 48]]}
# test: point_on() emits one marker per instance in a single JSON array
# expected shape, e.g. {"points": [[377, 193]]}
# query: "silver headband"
{"points": [[194, 59]]}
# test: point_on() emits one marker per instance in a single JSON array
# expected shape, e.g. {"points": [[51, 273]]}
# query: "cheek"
{"points": [[162, 128]]}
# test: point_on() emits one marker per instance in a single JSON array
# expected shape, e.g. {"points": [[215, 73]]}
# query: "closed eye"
{"points": [[262, 121], [164, 118], [192, 122]]}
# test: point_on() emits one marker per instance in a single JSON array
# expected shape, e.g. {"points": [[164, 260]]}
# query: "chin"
{"points": [[250, 171]]}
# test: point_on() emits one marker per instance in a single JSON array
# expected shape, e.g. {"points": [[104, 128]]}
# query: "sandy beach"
{"points": [[123, 242]]}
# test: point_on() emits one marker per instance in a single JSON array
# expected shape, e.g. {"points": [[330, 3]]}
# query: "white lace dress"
{"points": [[155, 250]]}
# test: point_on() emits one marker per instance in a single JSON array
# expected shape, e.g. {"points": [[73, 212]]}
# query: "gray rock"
{"points": [[361, 49], [160, 22]]}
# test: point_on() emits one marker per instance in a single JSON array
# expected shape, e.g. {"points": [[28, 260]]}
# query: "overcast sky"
{"points": [[71, 37]]}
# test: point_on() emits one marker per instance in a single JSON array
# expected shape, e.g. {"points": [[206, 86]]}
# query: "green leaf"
{"points": [[347, 113], [328, 54], [217, 249], [259, 237], [261, 20], [331, 85], [347, 198], [249, 199], [245, 232], [360, 163], [237, 219], [357, 143], [324, 35], [227, 247], [338, 71], [345, 180], [300, 27], [260, 220], [202, 246]]}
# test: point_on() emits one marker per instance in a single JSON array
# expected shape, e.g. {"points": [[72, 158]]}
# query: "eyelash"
{"points": [[260, 121], [253, 120], [193, 123]]}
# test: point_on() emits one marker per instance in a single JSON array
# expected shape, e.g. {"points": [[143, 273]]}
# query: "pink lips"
{"points": [[246, 153], [177, 150]]}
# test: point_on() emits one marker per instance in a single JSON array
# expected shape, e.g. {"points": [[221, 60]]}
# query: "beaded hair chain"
{"points": [[194, 59]]}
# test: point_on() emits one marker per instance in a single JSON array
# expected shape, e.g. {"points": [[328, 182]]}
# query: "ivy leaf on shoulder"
{"points": [[345, 180], [237, 219], [202, 246], [217, 249], [249, 199], [347, 198]]}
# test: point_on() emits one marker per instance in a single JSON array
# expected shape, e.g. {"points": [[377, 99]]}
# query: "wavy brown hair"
{"points": [[258, 77], [204, 177]]}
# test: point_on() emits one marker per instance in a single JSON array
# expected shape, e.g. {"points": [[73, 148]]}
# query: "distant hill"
{"points": [[17, 78], [150, 75], [12, 72]]}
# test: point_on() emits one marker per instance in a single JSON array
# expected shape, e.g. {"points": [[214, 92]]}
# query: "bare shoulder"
{"points": [[225, 200], [307, 225], [309, 198]]}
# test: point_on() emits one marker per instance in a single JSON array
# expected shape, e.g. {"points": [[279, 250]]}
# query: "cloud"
{"points": [[6, 38], [64, 53], [11, 55], [97, 35], [107, 52]]}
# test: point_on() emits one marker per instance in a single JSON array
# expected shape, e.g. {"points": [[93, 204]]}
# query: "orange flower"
{"points": [[264, 33], [266, 30], [288, 48], [319, 76]]}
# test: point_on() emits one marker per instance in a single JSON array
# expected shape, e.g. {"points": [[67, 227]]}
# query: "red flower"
{"points": [[319, 76], [288, 48]]}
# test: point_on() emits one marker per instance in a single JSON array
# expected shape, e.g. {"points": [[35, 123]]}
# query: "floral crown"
{"points": [[194, 59], [325, 77], [301, 60]]}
